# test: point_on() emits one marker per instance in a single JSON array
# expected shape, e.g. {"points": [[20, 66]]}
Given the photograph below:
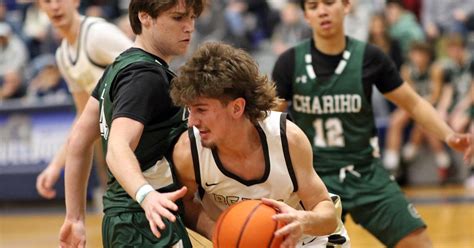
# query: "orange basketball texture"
{"points": [[247, 224]]}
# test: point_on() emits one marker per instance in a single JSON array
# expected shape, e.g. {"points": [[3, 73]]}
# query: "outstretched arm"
{"points": [[425, 115], [320, 218], [78, 164], [124, 137]]}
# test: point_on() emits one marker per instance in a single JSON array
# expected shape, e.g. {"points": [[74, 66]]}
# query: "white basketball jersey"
{"points": [[223, 188], [219, 188], [80, 72]]}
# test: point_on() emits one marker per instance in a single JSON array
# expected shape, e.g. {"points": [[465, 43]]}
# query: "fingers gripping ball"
{"points": [[247, 224]]}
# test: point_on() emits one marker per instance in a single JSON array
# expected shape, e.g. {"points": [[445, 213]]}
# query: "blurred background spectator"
{"points": [[379, 36], [443, 17], [403, 25], [291, 29], [13, 58], [44, 78]]}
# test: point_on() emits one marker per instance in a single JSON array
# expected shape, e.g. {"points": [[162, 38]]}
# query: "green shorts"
{"points": [[375, 201], [133, 230]]}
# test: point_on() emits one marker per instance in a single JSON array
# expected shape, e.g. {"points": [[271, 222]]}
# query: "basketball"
{"points": [[247, 224]]}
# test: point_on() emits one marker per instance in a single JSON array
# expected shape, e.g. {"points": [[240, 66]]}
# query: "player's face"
{"points": [[326, 17], [171, 31], [60, 12], [212, 118], [419, 58]]}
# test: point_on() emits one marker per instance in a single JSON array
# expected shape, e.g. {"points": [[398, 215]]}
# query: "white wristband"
{"points": [[142, 192]]}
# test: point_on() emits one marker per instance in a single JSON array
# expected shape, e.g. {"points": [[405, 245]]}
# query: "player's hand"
{"points": [[462, 143], [46, 180], [294, 219], [158, 205], [72, 234]]}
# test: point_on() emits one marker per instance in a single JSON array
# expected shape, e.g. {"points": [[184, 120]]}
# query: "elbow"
{"points": [[331, 222], [109, 158]]}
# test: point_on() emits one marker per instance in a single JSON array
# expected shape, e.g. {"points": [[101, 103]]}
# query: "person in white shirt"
{"points": [[89, 44]]}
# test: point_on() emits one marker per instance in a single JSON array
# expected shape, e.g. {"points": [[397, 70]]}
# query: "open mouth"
{"points": [[56, 18], [326, 24]]}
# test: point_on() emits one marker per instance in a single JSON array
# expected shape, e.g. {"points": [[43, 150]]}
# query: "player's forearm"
{"points": [[125, 167], [77, 171], [426, 116], [197, 219], [322, 220], [205, 225], [59, 159]]}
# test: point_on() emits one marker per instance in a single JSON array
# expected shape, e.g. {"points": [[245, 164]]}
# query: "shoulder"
{"points": [[286, 56], [296, 137], [373, 53], [182, 157], [98, 31]]}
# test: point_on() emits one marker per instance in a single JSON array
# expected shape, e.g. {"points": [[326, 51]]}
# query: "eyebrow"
{"points": [[198, 105]]}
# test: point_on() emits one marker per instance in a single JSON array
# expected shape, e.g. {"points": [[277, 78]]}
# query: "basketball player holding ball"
{"points": [[237, 149]]}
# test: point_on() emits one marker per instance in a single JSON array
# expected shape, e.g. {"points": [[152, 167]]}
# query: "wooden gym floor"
{"points": [[448, 211]]}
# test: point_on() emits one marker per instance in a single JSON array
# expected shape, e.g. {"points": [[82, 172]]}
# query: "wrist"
{"points": [[142, 192]]}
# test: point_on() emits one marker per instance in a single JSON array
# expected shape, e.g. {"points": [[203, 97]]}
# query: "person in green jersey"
{"points": [[327, 83], [133, 113]]}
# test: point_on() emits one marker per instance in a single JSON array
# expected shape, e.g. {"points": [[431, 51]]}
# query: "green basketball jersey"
{"points": [[421, 81], [335, 114], [154, 143]]}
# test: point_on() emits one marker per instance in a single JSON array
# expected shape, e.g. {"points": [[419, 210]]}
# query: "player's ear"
{"points": [[144, 18], [238, 107]]}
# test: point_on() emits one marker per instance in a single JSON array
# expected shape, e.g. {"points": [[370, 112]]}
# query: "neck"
{"points": [[71, 33], [241, 142], [142, 43], [330, 46]]}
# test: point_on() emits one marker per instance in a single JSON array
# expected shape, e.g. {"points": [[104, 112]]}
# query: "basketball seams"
{"points": [[273, 236], [246, 222], [275, 228]]}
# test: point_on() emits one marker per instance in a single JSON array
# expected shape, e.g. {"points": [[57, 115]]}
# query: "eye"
{"points": [[178, 18], [201, 110]]}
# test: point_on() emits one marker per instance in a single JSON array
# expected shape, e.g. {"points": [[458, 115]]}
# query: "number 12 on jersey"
{"points": [[328, 133]]}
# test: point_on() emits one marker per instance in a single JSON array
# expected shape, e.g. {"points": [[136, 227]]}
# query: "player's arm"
{"points": [[78, 164], [320, 217], [113, 39], [195, 217], [124, 137], [426, 116], [48, 177]]}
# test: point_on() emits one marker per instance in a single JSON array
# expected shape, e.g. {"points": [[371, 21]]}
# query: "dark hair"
{"points": [[455, 39], [303, 1], [222, 72], [397, 2], [422, 47], [155, 7]]}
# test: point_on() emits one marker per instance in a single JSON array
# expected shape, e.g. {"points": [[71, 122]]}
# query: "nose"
{"points": [[192, 120], [189, 25], [54, 4], [322, 10]]}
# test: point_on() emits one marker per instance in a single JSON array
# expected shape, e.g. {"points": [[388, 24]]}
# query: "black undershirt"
{"points": [[378, 69], [140, 92]]}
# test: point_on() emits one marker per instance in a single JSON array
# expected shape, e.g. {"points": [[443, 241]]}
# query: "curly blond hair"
{"points": [[220, 71]]}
